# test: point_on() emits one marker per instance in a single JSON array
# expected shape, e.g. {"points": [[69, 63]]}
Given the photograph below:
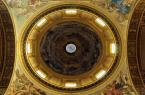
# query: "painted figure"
{"points": [[120, 5], [22, 86]]}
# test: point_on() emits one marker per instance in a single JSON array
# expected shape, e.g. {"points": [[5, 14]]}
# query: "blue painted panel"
{"points": [[124, 9], [117, 2]]}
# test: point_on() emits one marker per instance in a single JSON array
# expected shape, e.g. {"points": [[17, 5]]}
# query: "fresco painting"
{"points": [[120, 86], [120, 7], [22, 86], [23, 9]]}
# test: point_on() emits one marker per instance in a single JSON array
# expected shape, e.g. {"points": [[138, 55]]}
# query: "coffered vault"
{"points": [[7, 48]]}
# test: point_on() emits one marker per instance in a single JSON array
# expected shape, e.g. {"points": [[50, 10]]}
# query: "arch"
{"points": [[136, 47], [7, 48]]}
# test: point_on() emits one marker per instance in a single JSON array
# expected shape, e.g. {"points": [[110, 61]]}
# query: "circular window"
{"points": [[70, 48]]}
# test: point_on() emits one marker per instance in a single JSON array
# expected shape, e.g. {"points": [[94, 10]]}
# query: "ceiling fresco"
{"points": [[119, 8], [119, 11], [22, 86], [79, 36]]}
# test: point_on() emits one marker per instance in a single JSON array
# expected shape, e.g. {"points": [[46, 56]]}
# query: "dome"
{"points": [[70, 48]]}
